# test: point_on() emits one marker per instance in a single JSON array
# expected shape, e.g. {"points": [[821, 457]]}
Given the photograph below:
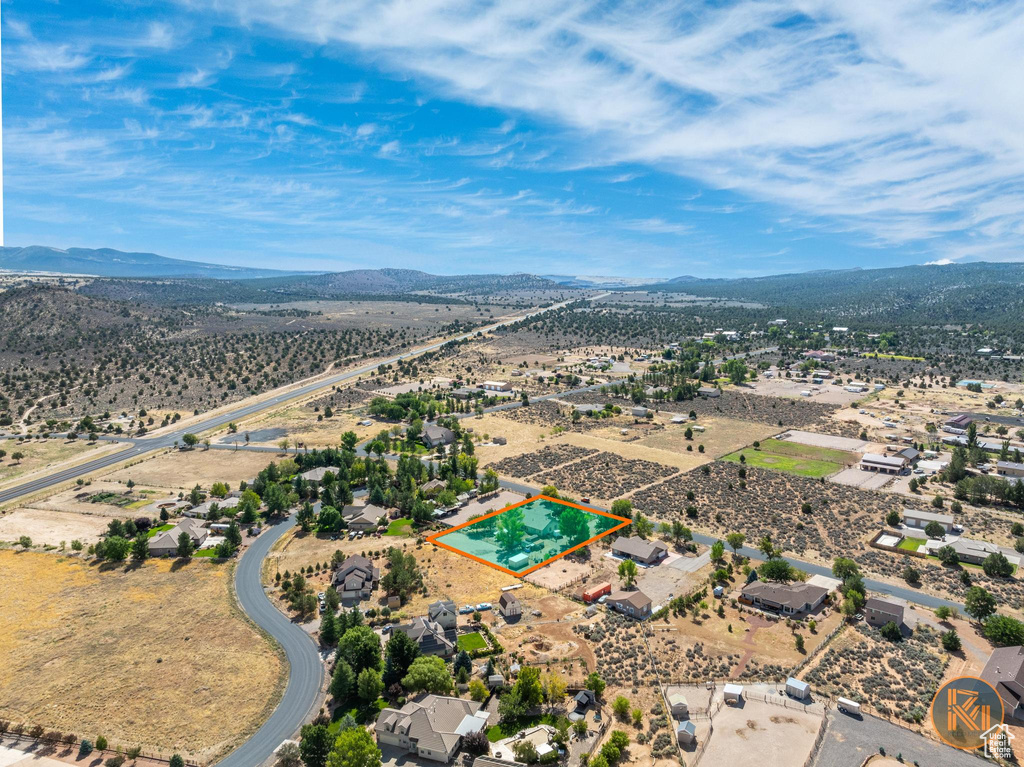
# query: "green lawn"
{"points": [[400, 527], [797, 450], [157, 530], [805, 467], [911, 544], [508, 729], [212, 553], [363, 713], [471, 642]]}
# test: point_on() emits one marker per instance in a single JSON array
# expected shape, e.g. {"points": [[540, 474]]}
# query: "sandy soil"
{"points": [[781, 737], [52, 527], [199, 678], [181, 470]]}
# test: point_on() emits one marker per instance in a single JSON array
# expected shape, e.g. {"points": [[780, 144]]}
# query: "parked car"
{"points": [[466, 609], [483, 606], [958, 528]]}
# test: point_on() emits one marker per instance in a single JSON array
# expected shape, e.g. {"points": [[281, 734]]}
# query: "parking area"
{"points": [[865, 480], [477, 506], [850, 740]]}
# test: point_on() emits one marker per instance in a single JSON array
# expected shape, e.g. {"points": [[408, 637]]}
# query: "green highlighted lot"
{"points": [[793, 457], [520, 538]]}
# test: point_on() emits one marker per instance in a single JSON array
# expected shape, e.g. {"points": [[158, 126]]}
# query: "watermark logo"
{"points": [[967, 713], [998, 742]]}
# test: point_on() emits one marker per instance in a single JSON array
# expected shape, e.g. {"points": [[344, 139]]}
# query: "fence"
{"points": [[49, 744], [818, 650], [817, 741]]}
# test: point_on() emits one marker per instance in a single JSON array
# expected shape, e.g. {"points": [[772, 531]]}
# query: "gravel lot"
{"points": [[849, 741]]}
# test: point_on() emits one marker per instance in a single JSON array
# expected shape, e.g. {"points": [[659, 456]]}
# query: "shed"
{"points": [[394, 602], [519, 561], [595, 592], [686, 732], [719, 591], [797, 689], [733, 693], [677, 702], [495, 680]]}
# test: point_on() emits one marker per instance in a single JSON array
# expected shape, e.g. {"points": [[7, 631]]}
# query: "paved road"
{"points": [[305, 670], [880, 587]]}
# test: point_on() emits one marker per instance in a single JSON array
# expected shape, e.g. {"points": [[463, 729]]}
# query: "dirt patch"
{"points": [[47, 454], [780, 737], [183, 469], [52, 527], [197, 676]]}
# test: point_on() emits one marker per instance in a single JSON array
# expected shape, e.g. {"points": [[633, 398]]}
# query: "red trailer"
{"points": [[594, 593]]}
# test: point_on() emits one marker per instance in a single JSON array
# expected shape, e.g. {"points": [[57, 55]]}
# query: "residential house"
{"points": [[1005, 672], [709, 391], [1010, 469], [883, 464], [909, 455], [974, 552], [785, 598], [635, 604], [430, 637], [317, 475], [363, 517], [435, 436], [510, 606], [444, 613], [166, 543], [356, 578], [202, 511], [960, 421], [878, 612], [921, 519], [496, 386], [433, 487], [640, 550], [433, 728]]}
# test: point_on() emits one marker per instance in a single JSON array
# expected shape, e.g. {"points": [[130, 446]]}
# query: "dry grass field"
{"points": [[49, 528], [81, 642], [181, 470], [299, 425], [43, 454]]}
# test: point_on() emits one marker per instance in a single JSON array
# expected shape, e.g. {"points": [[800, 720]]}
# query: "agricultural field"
{"points": [[794, 458], [125, 634]]}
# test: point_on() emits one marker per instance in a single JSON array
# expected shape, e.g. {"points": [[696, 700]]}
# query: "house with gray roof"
{"points": [[317, 475], [435, 436], [363, 517], [635, 604], [433, 728], [883, 464], [920, 519], [444, 612], [1005, 672], [640, 550], [784, 598], [878, 612], [165, 543], [973, 552], [431, 637], [1010, 469], [356, 578]]}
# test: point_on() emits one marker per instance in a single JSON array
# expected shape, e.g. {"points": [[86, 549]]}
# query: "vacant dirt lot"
{"points": [[781, 737], [41, 454], [181, 470], [46, 527], [82, 642]]}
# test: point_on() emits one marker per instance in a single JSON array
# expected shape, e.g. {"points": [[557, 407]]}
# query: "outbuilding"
{"points": [[797, 689], [686, 733], [680, 708], [733, 693]]}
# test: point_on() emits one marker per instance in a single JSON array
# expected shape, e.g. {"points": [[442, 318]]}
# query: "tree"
{"points": [[25, 542], [893, 518], [573, 525], [595, 684], [948, 556], [843, 568], [627, 571], [978, 603], [891, 632], [315, 744], [511, 531], [360, 648], [621, 707], [403, 575], [140, 548], [1003, 630], [116, 548], [911, 574], [996, 565], [478, 690], [190, 440], [736, 541], [800, 643], [776, 570], [428, 673], [934, 530], [642, 526], [943, 612], [717, 551], [401, 651], [525, 752], [342, 681], [476, 743], [369, 685], [528, 687], [355, 748], [767, 547], [554, 687], [177, 761], [328, 629], [185, 546], [950, 641]]}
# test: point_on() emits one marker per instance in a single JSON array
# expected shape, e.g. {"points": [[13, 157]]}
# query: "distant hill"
{"points": [[106, 262], [952, 294]]}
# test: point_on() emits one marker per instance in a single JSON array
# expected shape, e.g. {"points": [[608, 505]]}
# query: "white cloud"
{"points": [[389, 149], [197, 78], [898, 120]]}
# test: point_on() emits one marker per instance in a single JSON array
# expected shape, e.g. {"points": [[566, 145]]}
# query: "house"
{"points": [[430, 637], [510, 606], [909, 455], [584, 699], [496, 386], [686, 733], [974, 552], [444, 613], [786, 598], [639, 412], [317, 475], [635, 604], [878, 612], [435, 436], [960, 421], [165, 543], [797, 689], [363, 517], [883, 464], [921, 519], [709, 391], [596, 592], [1010, 469], [433, 728], [678, 705], [202, 511], [1005, 672], [356, 578], [640, 550], [433, 487]]}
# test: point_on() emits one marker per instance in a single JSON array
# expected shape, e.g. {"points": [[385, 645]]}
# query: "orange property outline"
{"points": [[434, 538]]}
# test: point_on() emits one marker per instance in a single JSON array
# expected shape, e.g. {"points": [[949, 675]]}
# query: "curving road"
{"points": [[305, 669]]}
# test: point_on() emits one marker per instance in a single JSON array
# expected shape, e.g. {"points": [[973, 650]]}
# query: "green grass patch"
{"points": [[804, 467], [508, 729], [138, 504], [881, 356], [797, 450], [363, 713], [211, 553], [911, 544], [471, 642], [153, 531], [400, 527]]}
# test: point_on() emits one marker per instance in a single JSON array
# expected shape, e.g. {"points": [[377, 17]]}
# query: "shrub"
{"points": [[85, 748], [101, 743]]}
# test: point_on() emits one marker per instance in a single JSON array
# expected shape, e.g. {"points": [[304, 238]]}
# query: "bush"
{"points": [[950, 641], [476, 743], [114, 761], [85, 748], [101, 743], [621, 708]]}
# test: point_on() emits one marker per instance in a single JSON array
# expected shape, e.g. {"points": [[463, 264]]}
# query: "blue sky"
{"points": [[564, 137]]}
